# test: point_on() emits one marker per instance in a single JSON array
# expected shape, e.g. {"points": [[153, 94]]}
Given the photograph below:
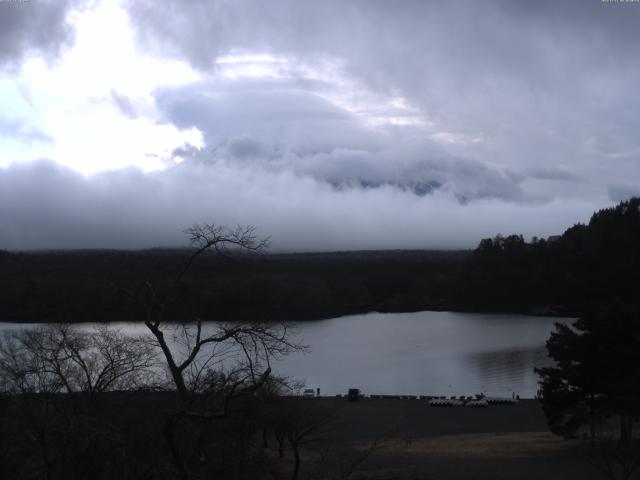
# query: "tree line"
{"points": [[87, 286], [585, 267], [178, 400], [565, 274], [593, 389]]}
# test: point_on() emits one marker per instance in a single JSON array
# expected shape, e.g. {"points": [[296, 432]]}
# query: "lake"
{"points": [[430, 353], [420, 353]]}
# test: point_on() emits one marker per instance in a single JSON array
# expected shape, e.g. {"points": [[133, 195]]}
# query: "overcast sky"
{"points": [[329, 125]]}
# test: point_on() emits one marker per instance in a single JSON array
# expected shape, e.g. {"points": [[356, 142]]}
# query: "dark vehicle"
{"points": [[353, 395]]}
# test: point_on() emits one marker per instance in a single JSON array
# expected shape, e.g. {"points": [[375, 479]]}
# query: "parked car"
{"points": [[309, 393], [353, 395]]}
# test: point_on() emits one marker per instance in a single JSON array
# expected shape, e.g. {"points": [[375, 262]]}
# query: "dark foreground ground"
{"points": [[410, 440], [123, 435]]}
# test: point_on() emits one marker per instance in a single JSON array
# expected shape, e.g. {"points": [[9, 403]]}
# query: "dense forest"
{"points": [[89, 285], [586, 266]]}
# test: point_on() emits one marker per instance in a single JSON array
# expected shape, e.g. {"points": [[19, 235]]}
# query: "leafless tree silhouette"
{"points": [[53, 375], [63, 358], [210, 364]]}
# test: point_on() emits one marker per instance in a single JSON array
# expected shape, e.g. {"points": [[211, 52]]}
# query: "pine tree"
{"points": [[597, 373]]}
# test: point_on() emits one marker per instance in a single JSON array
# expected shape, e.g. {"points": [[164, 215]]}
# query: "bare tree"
{"points": [[192, 350], [305, 422], [48, 371], [218, 361], [59, 373], [57, 358]]}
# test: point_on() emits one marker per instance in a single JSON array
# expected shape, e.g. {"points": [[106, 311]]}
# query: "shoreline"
{"points": [[568, 315]]}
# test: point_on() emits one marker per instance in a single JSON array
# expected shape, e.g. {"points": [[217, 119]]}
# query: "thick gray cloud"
{"points": [[280, 111], [43, 205], [551, 173], [380, 124], [551, 84], [620, 192], [277, 126], [33, 26]]}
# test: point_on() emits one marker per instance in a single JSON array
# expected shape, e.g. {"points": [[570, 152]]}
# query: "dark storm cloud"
{"points": [[34, 26], [44, 205], [486, 45]]}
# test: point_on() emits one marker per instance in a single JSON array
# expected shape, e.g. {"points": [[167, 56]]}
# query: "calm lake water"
{"points": [[426, 353], [430, 353]]}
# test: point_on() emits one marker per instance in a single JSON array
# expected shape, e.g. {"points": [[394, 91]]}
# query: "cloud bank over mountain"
{"points": [[43, 205], [328, 125]]}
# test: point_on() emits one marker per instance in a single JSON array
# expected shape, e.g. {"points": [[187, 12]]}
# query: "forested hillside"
{"points": [[88, 286], [589, 265]]}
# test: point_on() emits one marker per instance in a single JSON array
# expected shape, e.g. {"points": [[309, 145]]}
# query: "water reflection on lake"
{"points": [[431, 353], [423, 353]]}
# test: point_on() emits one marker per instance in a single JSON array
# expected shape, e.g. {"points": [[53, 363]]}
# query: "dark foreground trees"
{"points": [[62, 358], [210, 365], [586, 266], [63, 393], [594, 388], [59, 420], [183, 400]]}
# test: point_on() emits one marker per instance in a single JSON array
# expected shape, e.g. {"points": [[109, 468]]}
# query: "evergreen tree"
{"points": [[597, 373]]}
